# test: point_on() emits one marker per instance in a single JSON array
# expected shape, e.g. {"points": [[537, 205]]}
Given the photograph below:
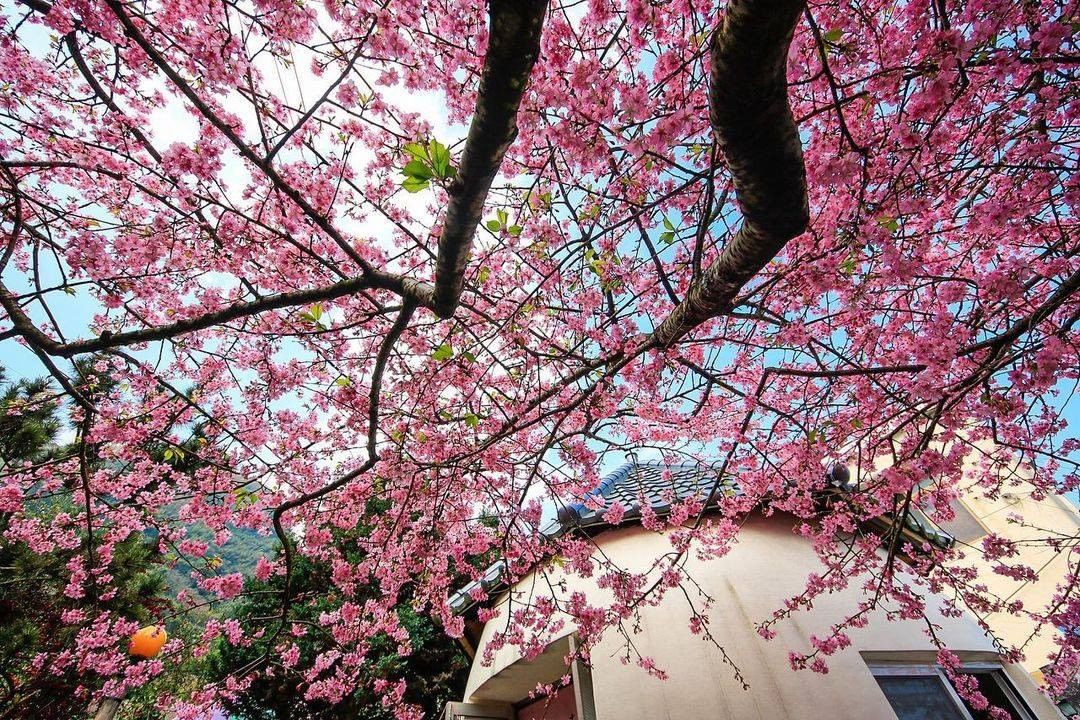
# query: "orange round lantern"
{"points": [[148, 641]]}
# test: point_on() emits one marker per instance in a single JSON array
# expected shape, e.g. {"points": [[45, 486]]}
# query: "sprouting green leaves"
{"points": [[244, 497], [343, 382], [313, 315], [833, 36], [414, 184], [472, 420], [429, 161], [440, 159], [668, 236], [819, 434], [443, 352], [595, 263], [888, 222], [848, 266], [483, 275], [501, 221], [173, 454]]}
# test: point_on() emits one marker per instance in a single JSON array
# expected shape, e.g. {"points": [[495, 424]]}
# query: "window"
{"points": [[924, 692], [919, 697], [965, 527]]}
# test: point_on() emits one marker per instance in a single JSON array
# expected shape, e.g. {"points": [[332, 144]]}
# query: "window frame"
{"points": [[1019, 706]]}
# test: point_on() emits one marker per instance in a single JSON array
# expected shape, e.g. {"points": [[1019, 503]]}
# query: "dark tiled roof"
{"points": [[658, 485], [635, 485]]}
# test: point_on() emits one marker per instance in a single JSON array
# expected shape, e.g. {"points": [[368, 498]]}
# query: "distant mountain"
{"points": [[239, 554]]}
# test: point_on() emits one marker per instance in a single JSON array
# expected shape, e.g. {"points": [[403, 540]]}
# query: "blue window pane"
{"points": [[919, 697]]}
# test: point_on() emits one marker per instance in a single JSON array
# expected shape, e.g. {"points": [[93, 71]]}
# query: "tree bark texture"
{"points": [[513, 46], [754, 127]]}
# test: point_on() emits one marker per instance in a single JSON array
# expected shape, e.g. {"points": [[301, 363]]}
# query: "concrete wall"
{"points": [[559, 707], [768, 565]]}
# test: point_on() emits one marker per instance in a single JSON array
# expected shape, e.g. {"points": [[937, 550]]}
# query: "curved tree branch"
{"points": [[387, 346], [513, 46], [754, 127], [24, 326]]}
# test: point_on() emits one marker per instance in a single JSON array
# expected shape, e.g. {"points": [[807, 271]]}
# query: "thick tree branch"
{"points": [[754, 127], [513, 46]]}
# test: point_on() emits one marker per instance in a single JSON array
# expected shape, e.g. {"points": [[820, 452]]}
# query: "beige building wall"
{"points": [[1049, 517], [768, 565]]}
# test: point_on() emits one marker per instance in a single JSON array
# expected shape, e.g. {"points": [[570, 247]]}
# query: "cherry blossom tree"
{"points": [[447, 259]]}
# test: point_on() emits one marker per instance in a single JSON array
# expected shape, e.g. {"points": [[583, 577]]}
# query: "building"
{"points": [[1053, 516], [888, 672]]}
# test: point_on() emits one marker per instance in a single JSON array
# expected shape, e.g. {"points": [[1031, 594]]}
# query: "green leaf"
{"points": [[668, 225], [483, 275], [443, 352], [440, 157], [833, 36], [503, 216], [472, 420], [244, 497], [667, 237], [418, 169], [416, 150], [343, 382], [313, 315], [493, 225], [468, 356], [414, 184], [856, 423], [848, 266], [889, 223], [514, 230]]}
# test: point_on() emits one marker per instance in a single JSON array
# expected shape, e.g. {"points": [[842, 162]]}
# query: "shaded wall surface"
{"points": [[768, 565]]}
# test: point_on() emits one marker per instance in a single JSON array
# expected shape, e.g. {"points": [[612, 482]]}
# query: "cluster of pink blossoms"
{"points": [[206, 200]]}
